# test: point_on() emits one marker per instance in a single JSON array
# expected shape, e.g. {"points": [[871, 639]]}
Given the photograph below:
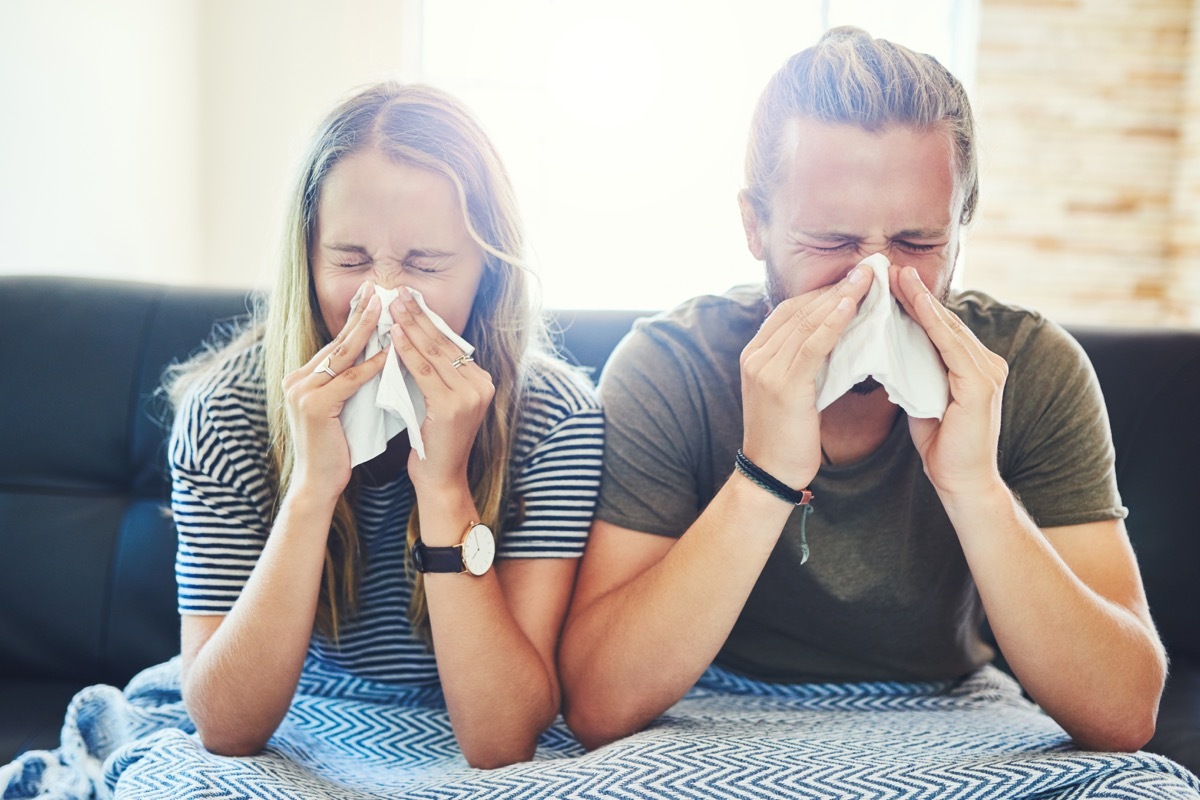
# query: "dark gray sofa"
{"points": [[86, 553]]}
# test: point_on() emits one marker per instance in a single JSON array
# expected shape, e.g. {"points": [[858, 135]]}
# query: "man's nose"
{"points": [[862, 255]]}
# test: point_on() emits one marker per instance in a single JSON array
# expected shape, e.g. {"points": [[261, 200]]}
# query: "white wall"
{"points": [[154, 139], [99, 144], [271, 69]]}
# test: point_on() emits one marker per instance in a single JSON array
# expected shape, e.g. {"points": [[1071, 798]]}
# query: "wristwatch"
{"points": [[474, 554]]}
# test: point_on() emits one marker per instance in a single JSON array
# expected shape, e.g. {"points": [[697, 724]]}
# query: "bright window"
{"points": [[623, 123]]}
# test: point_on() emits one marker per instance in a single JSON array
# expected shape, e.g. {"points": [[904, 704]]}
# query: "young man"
{"points": [[1006, 506]]}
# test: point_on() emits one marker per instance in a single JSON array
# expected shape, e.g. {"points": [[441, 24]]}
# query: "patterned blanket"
{"points": [[730, 737]]}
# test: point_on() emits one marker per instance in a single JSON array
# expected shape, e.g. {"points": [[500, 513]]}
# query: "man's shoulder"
{"points": [[1004, 328], [707, 323], [1021, 335]]}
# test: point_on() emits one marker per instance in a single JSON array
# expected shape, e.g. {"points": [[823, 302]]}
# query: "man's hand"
{"points": [[779, 372], [959, 453]]}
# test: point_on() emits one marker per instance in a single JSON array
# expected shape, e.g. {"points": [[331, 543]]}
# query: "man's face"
{"points": [[847, 193]]}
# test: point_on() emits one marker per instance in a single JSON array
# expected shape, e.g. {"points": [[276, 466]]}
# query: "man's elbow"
{"points": [[1120, 729], [1127, 736]]}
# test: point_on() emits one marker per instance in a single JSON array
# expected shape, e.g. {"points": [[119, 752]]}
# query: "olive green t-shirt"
{"points": [[886, 593]]}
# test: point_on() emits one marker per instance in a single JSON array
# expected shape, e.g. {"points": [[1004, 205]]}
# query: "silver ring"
{"points": [[324, 367], [463, 359]]}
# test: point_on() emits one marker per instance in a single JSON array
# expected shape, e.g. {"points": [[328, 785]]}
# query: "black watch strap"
{"points": [[437, 559]]}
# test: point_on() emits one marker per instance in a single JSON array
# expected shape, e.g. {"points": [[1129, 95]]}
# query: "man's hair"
{"points": [[850, 78]]}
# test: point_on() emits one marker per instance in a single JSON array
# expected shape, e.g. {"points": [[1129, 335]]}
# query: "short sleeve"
{"points": [[653, 426], [219, 495], [556, 477], [1056, 448]]}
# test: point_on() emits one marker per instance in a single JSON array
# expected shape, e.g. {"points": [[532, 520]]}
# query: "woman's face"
{"points": [[396, 225]]}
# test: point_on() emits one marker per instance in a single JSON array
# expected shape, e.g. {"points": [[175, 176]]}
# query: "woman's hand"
{"points": [[456, 397], [314, 398], [779, 374]]}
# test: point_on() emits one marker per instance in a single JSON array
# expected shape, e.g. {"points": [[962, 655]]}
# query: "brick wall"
{"points": [[1089, 122]]}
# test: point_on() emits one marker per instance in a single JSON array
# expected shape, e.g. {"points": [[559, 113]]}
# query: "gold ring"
{"points": [[463, 359], [324, 367]]}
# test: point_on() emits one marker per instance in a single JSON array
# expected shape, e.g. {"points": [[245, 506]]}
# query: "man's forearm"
{"points": [[1072, 625], [634, 652]]}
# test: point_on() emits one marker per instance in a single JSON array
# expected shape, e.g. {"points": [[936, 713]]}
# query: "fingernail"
{"points": [[373, 303], [856, 275], [406, 293], [358, 295]]}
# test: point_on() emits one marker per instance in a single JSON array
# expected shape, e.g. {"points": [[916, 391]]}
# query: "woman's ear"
{"points": [[755, 228]]}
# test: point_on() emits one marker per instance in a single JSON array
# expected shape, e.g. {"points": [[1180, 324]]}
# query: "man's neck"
{"points": [[854, 426]]}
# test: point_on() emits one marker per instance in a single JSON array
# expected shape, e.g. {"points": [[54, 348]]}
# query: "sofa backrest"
{"points": [[87, 582], [1151, 385], [87, 587]]}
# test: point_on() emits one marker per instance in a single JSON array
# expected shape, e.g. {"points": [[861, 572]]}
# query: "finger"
{"points": [[898, 290], [810, 315], [342, 351], [351, 342], [351, 379], [426, 324], [417, 360], [957, 345], [437, 348], [358, 307], [805, 353]]}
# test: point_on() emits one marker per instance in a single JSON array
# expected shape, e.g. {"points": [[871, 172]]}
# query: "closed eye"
{"points": [[428, 267], [834, 249], [912, 247]]}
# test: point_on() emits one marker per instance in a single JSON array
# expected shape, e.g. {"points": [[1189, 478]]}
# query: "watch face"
{"points": [[478, 549]]}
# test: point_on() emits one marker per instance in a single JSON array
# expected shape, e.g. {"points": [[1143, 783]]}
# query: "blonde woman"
{"points": [[295, 570]]}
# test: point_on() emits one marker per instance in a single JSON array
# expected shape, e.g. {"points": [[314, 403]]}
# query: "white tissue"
{"points": [[885, 343], [391, 402]]}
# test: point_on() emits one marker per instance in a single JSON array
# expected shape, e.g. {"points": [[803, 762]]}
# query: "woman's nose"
{"points": [[387, 278]]}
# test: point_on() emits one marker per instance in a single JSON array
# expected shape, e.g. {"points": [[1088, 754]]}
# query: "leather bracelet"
{"points": [[797, 497]]}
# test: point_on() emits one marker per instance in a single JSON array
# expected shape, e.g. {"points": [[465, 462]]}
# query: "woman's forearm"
{"points": [[239, 678], [501, 692]]}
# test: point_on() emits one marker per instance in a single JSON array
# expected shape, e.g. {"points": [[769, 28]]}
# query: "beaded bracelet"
{"points": [[767, 481]]}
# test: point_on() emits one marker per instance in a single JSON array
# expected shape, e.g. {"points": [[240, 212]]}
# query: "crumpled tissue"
{"points": [[883, 342], [391, 402]]}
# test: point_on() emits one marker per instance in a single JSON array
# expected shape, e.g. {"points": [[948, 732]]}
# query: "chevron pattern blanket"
{"points": [[730, 737]]}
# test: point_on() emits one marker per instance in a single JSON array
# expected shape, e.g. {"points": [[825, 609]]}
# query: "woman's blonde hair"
{"points": [[430, 129], [848, 77]]}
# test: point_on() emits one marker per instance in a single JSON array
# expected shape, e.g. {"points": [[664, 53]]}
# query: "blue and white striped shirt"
{"points": [[221, 499]]}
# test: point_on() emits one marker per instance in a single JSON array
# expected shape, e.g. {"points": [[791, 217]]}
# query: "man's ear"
{"points": [[756, 229]]}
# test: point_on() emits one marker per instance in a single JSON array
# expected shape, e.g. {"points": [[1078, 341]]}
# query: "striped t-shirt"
{"points": [[221, 500]]}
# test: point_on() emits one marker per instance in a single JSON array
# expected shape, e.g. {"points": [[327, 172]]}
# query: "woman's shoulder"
{"points": [[221, 393], [558, 389], [232, 379]]}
